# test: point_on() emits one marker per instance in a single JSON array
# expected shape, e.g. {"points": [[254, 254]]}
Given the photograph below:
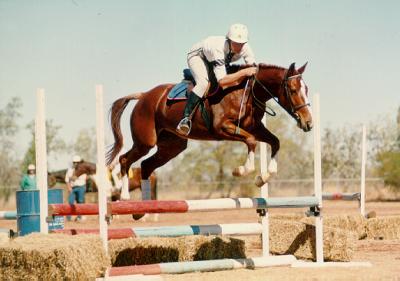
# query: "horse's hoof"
{"points": [[137, 216], [239, 171], [258, 181]]}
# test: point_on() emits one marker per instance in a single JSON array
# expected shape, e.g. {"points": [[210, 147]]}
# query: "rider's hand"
{"points": [[250, 71]]}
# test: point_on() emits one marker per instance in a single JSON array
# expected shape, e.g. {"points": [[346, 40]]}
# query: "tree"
{"points": [[388, 156], [86, 145], [389, 168], [9, 164], [341, 152], [54, 144]]}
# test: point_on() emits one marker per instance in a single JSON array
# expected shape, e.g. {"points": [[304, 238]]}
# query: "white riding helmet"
{"points": [[238, 33], [76, 158], [31, 167]]}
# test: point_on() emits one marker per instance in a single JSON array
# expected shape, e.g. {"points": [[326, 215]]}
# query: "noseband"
{"points": [[262, 106]]}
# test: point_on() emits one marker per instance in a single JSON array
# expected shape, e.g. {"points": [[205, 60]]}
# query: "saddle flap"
{"points": [[180, 90]]}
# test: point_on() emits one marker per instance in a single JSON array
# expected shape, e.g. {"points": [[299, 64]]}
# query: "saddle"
{"points": [[179, 91]]}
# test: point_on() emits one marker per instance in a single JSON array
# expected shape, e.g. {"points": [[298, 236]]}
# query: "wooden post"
{"points": [[101, 166], [41, 158]]}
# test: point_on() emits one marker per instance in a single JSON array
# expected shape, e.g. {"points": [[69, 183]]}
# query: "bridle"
{"points": [[261, 105]]}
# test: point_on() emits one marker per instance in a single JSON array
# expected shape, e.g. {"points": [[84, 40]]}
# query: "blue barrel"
{"points": [[28, 210]]}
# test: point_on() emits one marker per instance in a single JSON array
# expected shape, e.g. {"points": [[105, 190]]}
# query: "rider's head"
{"points": [[238, 35]]}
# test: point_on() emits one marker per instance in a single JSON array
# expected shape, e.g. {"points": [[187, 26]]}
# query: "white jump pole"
{"points": [[264, 194], [317, 179], [363, 165], [319, 244], [101, 166], [41, 158]]}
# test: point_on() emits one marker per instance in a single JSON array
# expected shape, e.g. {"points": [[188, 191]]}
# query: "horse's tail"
{"points": [[116, 111]]}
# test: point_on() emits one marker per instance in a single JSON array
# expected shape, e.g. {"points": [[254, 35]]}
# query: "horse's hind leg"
{"points": [[168, 147], [126, 160]]}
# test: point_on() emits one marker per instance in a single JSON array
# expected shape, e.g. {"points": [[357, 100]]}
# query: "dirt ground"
{"points": [[383, 254]]}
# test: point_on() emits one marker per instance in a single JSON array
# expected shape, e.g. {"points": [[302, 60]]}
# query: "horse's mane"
{"points": [[270, 66], [237, 67]]}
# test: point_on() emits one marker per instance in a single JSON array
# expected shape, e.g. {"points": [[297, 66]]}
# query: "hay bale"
{"points": [[298, 239], [136, 251], [352, 223], [387, 228], [288, 217], [53, 257]]}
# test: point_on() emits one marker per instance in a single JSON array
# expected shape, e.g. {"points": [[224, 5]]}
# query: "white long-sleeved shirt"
{"points": [[215, 50], [81, 180]]}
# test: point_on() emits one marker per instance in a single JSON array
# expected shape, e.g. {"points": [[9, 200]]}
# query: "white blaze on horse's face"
{"points": [[304, 111], [303, 91]]}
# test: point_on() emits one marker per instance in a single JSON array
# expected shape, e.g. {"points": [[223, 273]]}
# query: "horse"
{"points": [[236, 113], [134, 181]]}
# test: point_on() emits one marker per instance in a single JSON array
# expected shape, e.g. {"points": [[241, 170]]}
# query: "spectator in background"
{"points": [[76, 185], [28, 181]]}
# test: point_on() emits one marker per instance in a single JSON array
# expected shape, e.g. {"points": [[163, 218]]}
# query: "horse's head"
{"points": [[295, 97], [291, 93], [84, 168]]}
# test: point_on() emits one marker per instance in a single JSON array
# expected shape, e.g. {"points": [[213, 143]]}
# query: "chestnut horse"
{"points": [[236, 114]]}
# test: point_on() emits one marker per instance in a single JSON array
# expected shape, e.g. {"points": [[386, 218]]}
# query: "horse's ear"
{"points": [[291, 69], [301, 69]]}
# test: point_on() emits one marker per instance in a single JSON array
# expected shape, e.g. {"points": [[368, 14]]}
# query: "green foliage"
{"points": [[341, 152], [85, 144], [54, 144], [389, 168], [9, 163]]}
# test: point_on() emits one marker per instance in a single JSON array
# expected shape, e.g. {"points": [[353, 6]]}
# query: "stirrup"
{"points": [[184, 126]]}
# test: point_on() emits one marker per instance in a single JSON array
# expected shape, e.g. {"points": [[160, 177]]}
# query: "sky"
{"points": [[67, 47]]}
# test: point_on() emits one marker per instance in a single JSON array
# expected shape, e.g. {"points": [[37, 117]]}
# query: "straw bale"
{"points": [[352, 223], [288, 217], [387, 228], [298, 239], [53, 257], [133, 251]]}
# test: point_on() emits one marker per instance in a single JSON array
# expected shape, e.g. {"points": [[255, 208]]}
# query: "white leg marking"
{"points": [[249, 165], [273, 166], [125, 188]]}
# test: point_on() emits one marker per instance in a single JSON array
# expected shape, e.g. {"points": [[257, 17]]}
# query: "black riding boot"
{"points": [[185, 125]]}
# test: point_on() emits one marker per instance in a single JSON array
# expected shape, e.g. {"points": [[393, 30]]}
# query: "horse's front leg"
{"points": [[264, 135], [244, 136], [248, 166]]}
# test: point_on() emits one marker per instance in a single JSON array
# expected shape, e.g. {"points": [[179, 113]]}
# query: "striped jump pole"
{"points": [[359, 196], [8, 215], [342, 196], [235, 229], [183, 206], [201, 266]]}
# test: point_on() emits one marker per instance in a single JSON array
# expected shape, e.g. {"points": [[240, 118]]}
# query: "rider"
{"points": [[216, 52]]}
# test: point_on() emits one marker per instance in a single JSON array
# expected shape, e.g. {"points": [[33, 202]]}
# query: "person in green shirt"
{"points": [[28, 181]]}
